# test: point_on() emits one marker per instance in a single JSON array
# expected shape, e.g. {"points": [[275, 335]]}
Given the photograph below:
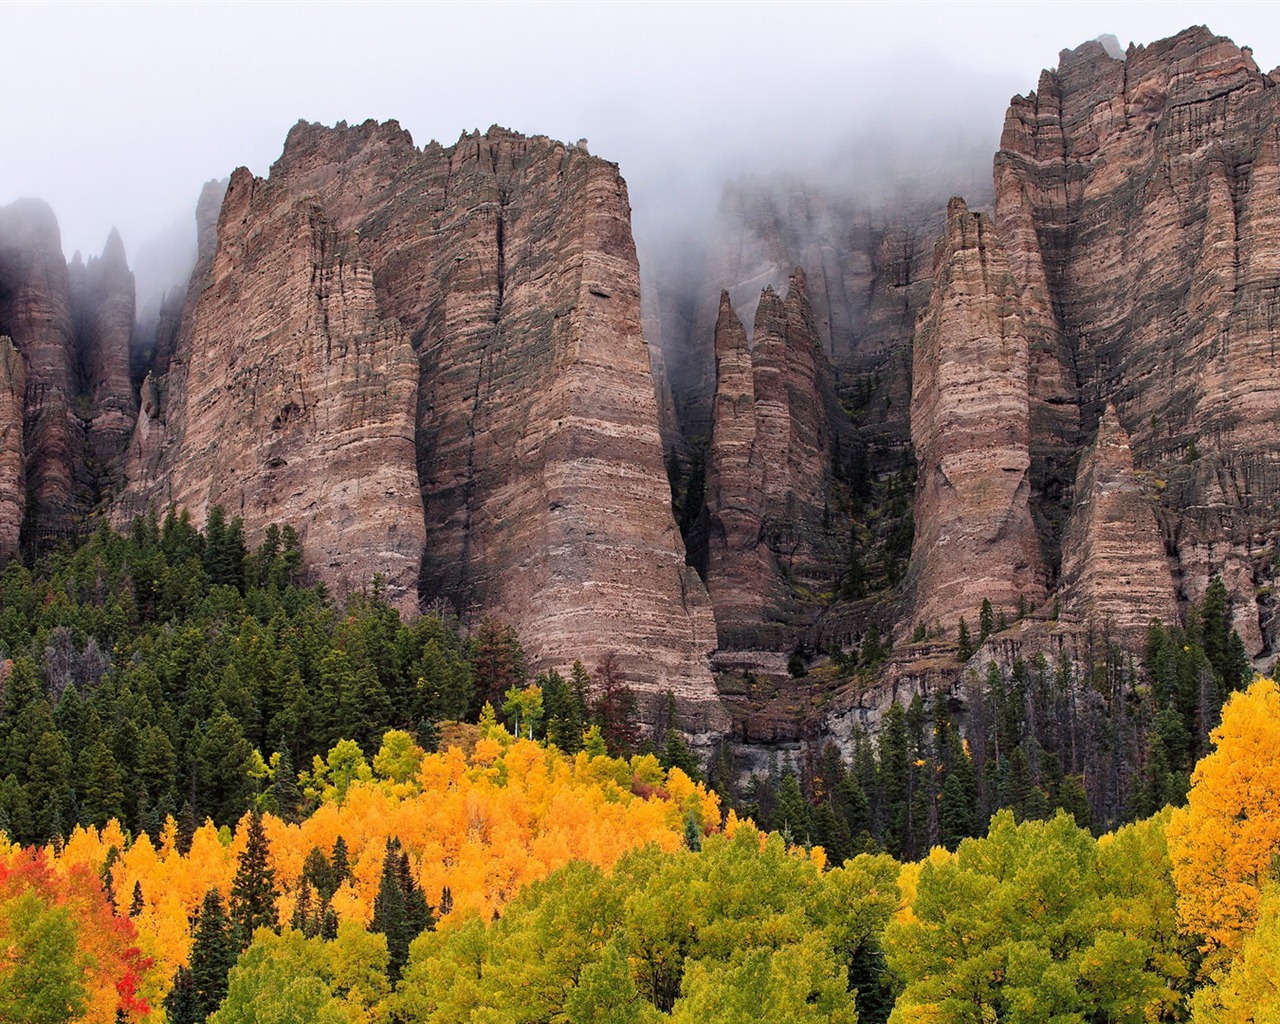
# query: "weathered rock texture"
{"points": [[868, 270], [35, 311], [102, 305], [1115, 574], [505, 265], [768, 470], [970, 424], [13, 490], [1138, 201]]}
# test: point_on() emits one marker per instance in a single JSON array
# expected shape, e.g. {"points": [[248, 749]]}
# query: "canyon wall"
{"points": [[431, 361]]}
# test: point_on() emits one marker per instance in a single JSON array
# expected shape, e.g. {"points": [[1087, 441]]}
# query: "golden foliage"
{"points": [[1222, 845]]}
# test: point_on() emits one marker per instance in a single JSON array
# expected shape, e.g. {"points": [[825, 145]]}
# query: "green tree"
{"points": [[213, 952], [253, 890], [1040, 922], [42, 970]]}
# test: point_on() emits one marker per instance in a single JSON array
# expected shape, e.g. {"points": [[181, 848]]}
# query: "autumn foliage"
{"points": [[1224, 843], [63, 951], [484, 826]]}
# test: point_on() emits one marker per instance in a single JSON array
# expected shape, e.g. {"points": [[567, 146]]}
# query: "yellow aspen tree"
{"points": [[1223, 844]]}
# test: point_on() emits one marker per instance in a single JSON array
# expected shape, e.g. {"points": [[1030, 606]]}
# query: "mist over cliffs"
{"points": [[841, 421]]}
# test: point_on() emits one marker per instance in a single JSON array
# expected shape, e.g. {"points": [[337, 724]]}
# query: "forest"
{"points": [[225, 797]]}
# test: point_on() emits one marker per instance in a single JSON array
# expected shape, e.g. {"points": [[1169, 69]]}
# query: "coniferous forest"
{"points": [[226, 798]]}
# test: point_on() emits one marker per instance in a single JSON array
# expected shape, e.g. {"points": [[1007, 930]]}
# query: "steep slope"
{"points": [[470, 316], [1115, 573], [35, 311], [102, 305], [1137, 198], [13, 490], [970, 424], [769, 464]]}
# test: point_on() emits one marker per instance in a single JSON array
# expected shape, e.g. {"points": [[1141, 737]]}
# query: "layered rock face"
{"points": [[35, 312], [292, 401], [868, 269], [1115, 573], [13, 490], [70, 329], [970, 424], [470, 314], [1138, 201], [768, 470], [102, 303]]}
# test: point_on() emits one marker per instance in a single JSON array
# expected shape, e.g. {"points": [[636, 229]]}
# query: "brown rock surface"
{"points": [[507, 263], [775, 415], [13, 491], [1115, 574], [35, 312], [970, 424], [102, 301], [1138, 200], [291, 400]]}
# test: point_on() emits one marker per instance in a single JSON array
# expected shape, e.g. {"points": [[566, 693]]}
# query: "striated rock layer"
{"points": [[470, 316], [13, 490], [1115, 574], [768, 469], [1138, 199], [102, 304], [35, 312], [970, 424]]}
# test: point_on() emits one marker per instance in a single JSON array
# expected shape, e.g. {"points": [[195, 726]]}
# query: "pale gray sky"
{"points": [[117, 113]]}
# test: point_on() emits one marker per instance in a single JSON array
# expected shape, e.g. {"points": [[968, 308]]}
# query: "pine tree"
{"points": [[253, 892], [965, 651], [285, 793], [986, 620], [692, 834], [341, 865], [213, 954], [136, 904], [390, 912]]}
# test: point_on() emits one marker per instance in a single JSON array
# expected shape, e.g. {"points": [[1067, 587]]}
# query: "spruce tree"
{"points": [[253, 892], [136, 904], [341, 865], [390, 913], [213, 954], [285, 793]]}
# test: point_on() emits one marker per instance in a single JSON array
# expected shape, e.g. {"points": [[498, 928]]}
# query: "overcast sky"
{"points": [[116, 114]]}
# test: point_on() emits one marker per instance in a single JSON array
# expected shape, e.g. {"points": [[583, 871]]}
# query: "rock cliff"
{"points": [[470, 315], [35, 312], [13, 490], [102, 306], [970, 424], [770, 539], [1137, 199], [1115, 574]]}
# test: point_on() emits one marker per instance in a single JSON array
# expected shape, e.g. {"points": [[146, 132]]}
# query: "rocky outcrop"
{"points": [[770, 539], [1115, 574], [102, 303], [13, 490], [35, 312], [970, 424], [291, 400], [868, 270], [470, 314], [1137, 200]]}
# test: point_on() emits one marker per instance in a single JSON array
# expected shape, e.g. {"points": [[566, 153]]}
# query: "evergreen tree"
{"points": [[965, 649], [136, 903], [253, 891], [341, 865], [318, 872], [285, 794], [692, 834], [958, 804], [791, 813], [986, 620], [397, 914], [213, 954]]}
